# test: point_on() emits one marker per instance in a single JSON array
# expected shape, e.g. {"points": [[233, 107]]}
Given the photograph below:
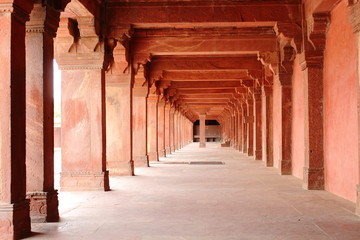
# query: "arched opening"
{"points": [[212, 131]]}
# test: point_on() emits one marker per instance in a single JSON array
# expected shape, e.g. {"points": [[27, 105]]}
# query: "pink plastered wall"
{"points": [[277, 133], [298, 122], [340, 106]]}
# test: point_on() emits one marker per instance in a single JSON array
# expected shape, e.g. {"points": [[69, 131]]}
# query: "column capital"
{"points": [[43, 19], [20, 9]]}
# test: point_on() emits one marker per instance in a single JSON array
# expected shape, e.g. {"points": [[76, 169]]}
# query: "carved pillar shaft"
{"points": [[286, 124], [240, 129], [14, 208], [314, 131], [40, 35], [139, 126], [244, 128], [250, 127], [171, 129], [161, 128], [202, 130], [167, 129], [257, 126], [83, 133], [152, 127], [119, 117], [267, 126]]}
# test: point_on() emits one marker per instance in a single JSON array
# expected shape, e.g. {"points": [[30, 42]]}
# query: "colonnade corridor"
{"points": [[178, 198]]}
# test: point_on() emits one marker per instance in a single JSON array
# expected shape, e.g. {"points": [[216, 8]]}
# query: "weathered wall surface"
{"points": [[340, 105]]}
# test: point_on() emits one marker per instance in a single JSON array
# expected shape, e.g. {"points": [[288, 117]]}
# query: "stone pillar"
{"points": [[161, 128], [83, 133], [152, 126], [202, 117], [235, 127], [167, 129], [244, 128], [139, 122], [250, 126], [118, 116], [40, 113], [176, 130], [240, 127], [285, 78], [267, 126], [314, 128], [171, 129], [14, 207], [354, 14], [257, 125]]}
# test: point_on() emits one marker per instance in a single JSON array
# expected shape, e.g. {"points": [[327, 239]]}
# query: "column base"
{"points": [[269, 162], [162, 153], [258, 155], [121, 168], [153, 156], [167, 151], [314, 178], [250, 152], [285, 168], [141, 161], [172, 149], [43, 206], [84, 181], [15, 220], [357, 209], [202, 145]]}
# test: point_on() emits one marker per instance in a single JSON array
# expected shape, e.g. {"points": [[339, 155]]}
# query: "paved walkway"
{"points": [[172, 200]]}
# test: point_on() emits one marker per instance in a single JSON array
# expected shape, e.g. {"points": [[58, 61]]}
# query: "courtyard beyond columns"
{"points": [[177, 199]]}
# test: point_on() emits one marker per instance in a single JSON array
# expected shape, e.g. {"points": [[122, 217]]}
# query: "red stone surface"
{"points": [[340, 107], [139, 127], [152, 127], [298, 121], [82, 131]]}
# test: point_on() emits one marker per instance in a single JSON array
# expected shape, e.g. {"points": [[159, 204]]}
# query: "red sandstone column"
{"points": [[286, 121], [40, 113], [240, 120], [250, 126], [267, 126], [83, 133], [167, 129], [139, 121], [171, 129], [176, 129], [354, 12], [14, 208], [118, 116], [152, 125], [314, 133], [257, 125], [202, 117], [244, 128], [83, 144], [161, 128]]}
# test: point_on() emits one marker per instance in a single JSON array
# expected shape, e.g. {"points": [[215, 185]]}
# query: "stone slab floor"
{"points": [[238, 200]]}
